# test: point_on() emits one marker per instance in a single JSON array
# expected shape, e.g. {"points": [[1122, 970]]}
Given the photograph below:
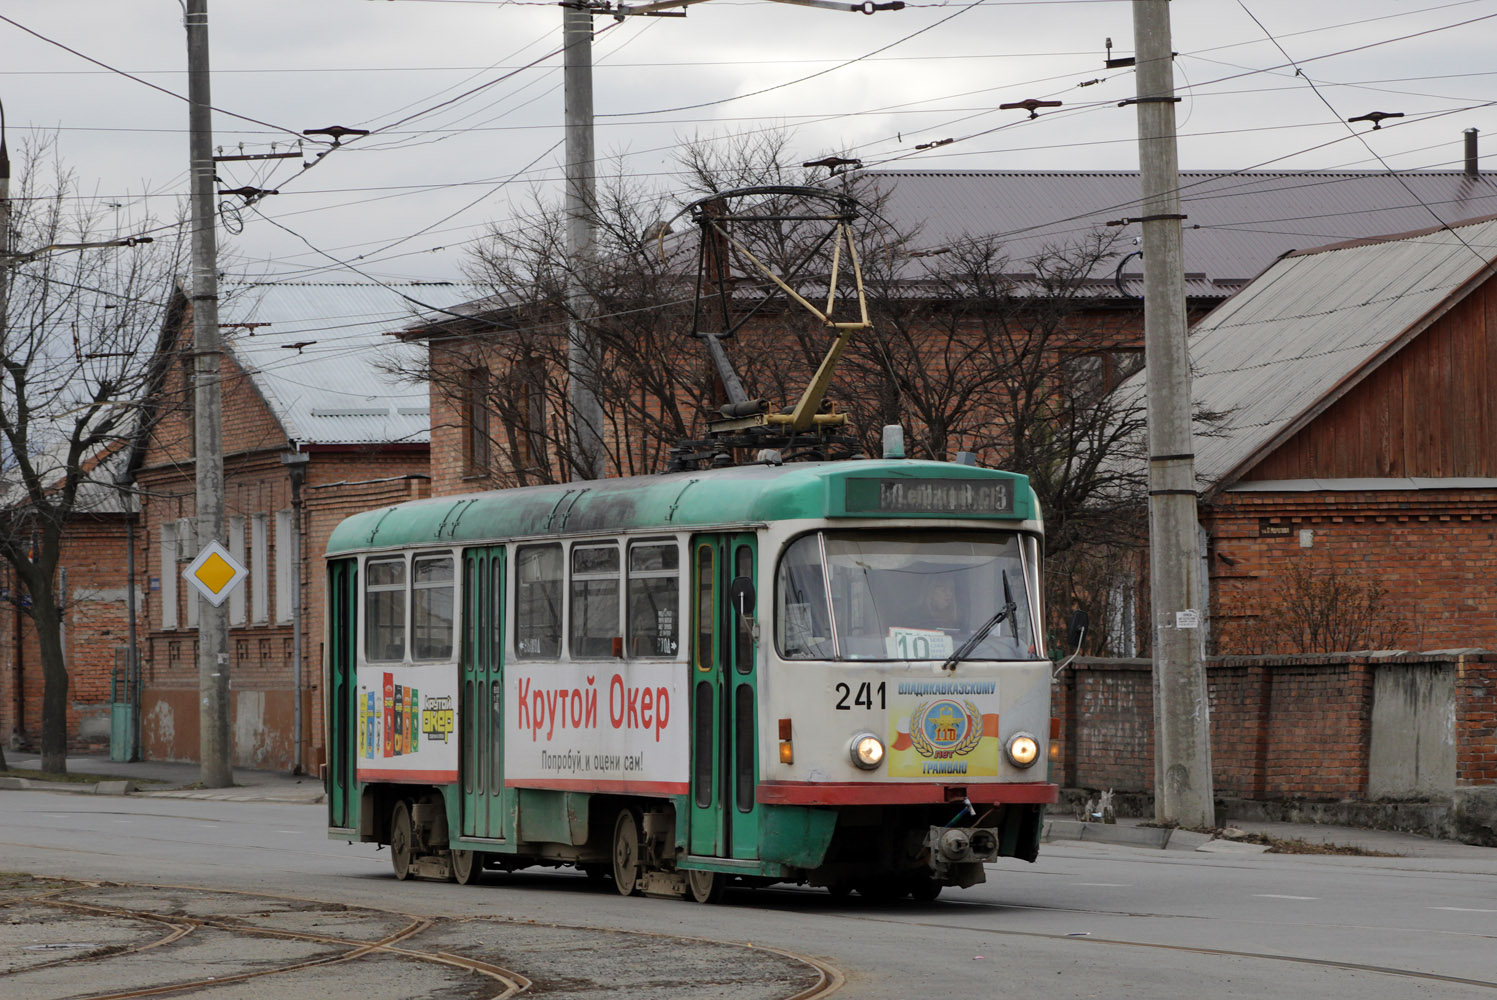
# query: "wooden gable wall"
{"points": [[1429, 411]]}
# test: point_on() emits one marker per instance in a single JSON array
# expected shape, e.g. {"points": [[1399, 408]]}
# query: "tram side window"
{"points": [[384, 609], [803, 628], [595, 600], [538, 572], [431, 607], [654, 599]]}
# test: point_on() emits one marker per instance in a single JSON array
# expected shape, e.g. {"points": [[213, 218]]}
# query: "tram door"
{"points": [[481, 719], [724, 682], [342, 597]]}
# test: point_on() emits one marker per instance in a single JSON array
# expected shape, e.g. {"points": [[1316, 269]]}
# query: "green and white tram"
{"points": [[831, 673]]}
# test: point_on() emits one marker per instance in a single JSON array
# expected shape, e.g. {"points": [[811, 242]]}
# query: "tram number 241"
{"points": [[863, 698]]}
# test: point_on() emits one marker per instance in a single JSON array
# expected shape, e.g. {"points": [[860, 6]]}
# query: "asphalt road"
{"points": [[1085, 921]]}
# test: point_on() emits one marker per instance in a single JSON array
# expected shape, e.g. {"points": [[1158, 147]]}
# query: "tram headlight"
{"points": [[867, 751], [1023, 749]]}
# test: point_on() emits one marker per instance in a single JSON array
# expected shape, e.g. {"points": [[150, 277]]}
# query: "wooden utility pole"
{"points": [[213, 628], [1182, 731], [587, 460]]}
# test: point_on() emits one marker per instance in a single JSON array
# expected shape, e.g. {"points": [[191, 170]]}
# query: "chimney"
{"points": [[1471, 166]]}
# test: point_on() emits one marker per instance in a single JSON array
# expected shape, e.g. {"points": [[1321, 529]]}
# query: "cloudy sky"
{"points": [[408, 202]]}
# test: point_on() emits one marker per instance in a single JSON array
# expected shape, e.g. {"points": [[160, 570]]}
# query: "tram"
{"points": [[828, 673]]}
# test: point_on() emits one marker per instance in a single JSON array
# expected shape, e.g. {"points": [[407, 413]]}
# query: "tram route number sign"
{"points": [[917, 644], [215, 573], [930, 496]]}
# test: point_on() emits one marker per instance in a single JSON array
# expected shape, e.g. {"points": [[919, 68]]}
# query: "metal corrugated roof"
{"points": [[1238, 222], [331, 389], [1288, 344]]}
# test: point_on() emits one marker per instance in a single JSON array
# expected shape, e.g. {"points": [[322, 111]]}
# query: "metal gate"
{"points": [[124, 705]]}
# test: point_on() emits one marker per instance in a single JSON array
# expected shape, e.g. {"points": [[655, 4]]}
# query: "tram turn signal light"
{"points": [[1023, 749], [787, 752]]}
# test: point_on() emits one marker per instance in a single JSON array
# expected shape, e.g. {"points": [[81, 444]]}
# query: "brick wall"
{"points": [[95, 628], [1476, 720], [1432, 552], [1281, 727]]}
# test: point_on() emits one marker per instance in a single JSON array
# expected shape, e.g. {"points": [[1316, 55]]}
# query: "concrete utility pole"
{"points": [[213, 628], [587, 459], [1182, 732]]}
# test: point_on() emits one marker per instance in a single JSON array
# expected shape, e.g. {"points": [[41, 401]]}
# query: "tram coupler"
{"points": [[956, 853]]}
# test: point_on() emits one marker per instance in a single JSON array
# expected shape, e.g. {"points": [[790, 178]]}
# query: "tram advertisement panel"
{"points": [[407, 723], [597, 727], [943, 729]]}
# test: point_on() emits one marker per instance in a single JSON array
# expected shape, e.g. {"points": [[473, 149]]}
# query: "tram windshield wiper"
{"points": [[1009, 610]]}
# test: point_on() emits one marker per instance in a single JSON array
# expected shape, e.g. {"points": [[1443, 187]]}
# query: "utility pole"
{"points": [[587, 460], [213, 629], [1182, 732], [5, 298]]}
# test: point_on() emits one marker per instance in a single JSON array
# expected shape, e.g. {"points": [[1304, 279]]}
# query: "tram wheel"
{"points": [[400, 840], [706, 887], [923, 890], [467, 867], [839, 890], [626, 867]]}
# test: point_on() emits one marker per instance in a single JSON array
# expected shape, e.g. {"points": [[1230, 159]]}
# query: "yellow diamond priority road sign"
{"points": [[215, 573]]}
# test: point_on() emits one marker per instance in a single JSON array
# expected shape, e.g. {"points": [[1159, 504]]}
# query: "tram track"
{"points": [[1090, 939], [400, 943]]}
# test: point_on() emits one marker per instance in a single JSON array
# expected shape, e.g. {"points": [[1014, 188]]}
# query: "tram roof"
{"points": [[749, 494]]}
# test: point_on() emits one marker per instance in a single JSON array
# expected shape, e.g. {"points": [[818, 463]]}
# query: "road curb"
{"points": [[1155, 837], [128, 786]]}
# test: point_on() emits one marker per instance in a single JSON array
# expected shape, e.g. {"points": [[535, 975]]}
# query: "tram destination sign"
{"points": [[955, 497]]}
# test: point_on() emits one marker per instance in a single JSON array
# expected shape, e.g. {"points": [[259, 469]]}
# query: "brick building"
{"points": [[92, 586], [313, 430], [1355, 472]]}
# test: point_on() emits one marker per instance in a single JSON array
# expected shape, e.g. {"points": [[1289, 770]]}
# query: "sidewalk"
{"points": [[1132, 832], [166, 779]]}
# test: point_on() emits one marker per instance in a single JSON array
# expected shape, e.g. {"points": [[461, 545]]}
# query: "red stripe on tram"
{"points": [[434, 777]]}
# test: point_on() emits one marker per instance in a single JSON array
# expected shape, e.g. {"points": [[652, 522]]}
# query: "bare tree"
{"points": [[1325, 610], [83, 306], [1015, 360]]}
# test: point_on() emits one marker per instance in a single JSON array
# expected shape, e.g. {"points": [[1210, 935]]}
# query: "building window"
{"points": [[285, 573], [169, 570], [187, 550], [595, 600], [538, 602], [530, 430], [431, 607], [384, 609], [259, 569], [654, 599], [476, 420], [236, 549]]}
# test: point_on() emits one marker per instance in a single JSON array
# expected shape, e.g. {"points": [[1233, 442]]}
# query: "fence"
{"points": [[1347, 726]]}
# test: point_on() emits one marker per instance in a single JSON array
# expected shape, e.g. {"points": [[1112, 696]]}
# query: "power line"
{"points": [[145, 83], [1359, 136]]}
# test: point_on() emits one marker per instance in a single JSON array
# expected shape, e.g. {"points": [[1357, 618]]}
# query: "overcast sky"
{"points": [[411, 199]]}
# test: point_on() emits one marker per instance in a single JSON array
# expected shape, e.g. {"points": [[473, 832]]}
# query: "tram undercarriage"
{"points": [[882, 852]]}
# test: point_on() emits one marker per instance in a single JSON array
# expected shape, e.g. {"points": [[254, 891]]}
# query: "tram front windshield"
{"points": [[880, 595]]}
